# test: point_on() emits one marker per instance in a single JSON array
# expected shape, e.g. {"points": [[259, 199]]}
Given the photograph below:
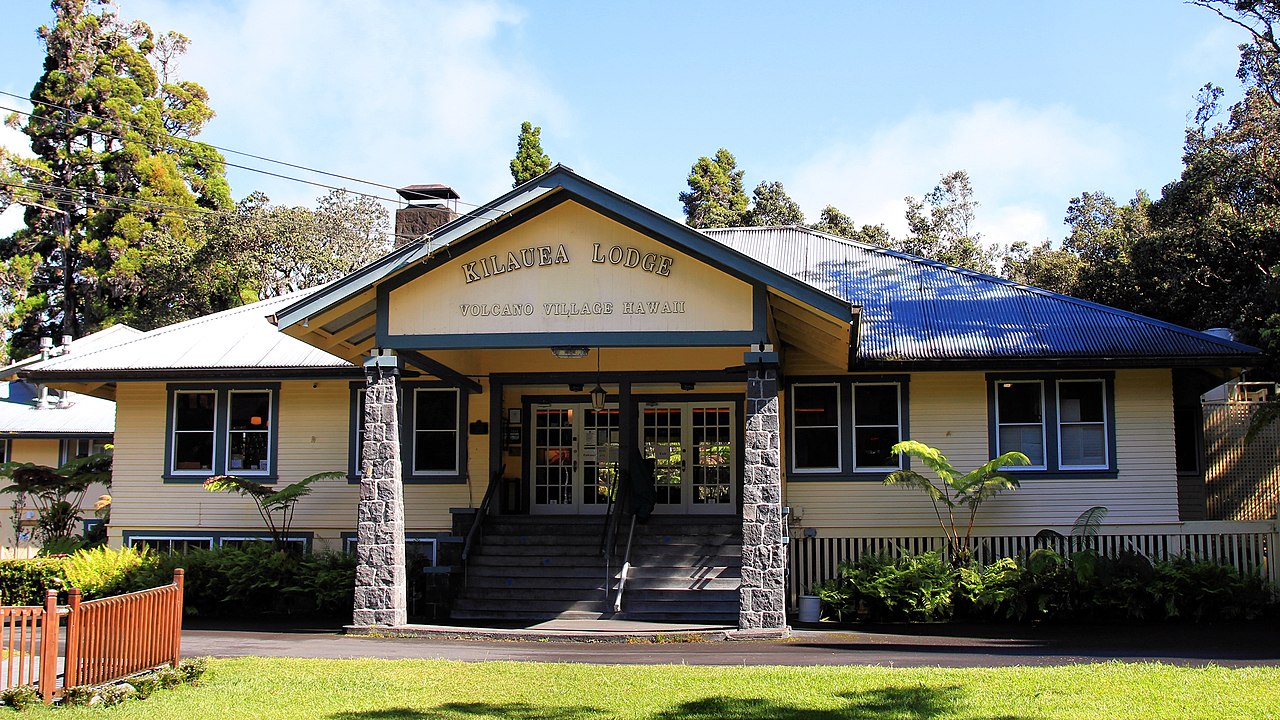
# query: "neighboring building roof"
{"points": [[921, 311], [237, 341], [102, 338], [21, 415]]}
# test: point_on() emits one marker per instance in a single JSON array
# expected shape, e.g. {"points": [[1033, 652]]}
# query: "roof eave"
{"points": [[166, 374]]}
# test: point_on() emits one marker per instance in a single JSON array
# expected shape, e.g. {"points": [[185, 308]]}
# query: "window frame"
{"points": [[6, 449], [1053, 464], [65, 456], [214, 538], [221, 432], [848, 470], [411, 435], [853, 424], [793, 433], [407, 475], [1105, 422], [270, 429], [1044, 420]]}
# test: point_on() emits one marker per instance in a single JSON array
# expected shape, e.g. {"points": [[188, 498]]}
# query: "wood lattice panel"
{"points": [[1242, 479]]}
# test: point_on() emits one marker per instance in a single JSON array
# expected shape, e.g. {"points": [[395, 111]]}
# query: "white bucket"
{"points": [[810, 609]]}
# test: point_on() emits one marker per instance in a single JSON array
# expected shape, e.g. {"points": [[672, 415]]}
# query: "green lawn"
{"points": [[421, 689]]}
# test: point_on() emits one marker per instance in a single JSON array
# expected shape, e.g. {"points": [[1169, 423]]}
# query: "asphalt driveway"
{"points": [[1230, 645]]}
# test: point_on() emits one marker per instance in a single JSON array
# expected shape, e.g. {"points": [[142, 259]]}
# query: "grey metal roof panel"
{"points": [[240, 338], [82, 415], [915, 309], [102, 338]]}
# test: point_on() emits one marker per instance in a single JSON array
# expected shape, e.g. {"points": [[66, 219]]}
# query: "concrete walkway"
{"points": [[906, 646]]}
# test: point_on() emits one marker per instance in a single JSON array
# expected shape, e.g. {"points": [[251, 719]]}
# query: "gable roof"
{"points": [[102, 338], [454, 236], [921, 311], [239, 341]]}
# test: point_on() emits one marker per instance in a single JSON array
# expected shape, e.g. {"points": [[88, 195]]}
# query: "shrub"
{"points": [[911, 587], [168, 677], [79, 695], [25, 582], [21, 697], [990, 591], [193, 669], [145, 685], [1202, 591], [102, 571], [116, 694]]}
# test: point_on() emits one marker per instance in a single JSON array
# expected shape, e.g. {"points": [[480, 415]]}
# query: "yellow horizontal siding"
{"points": [[949, 411]]}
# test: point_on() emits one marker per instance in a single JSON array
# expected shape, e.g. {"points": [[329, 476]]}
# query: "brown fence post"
{"points": [[179, 577], [48, 647], [71, 670]]}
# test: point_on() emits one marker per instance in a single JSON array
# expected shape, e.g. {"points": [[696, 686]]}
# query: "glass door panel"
{"points": [[661, 437], [552, 459], [598, 443], [712, 462]]}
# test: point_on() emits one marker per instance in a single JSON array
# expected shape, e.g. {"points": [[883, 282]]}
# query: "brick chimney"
{"points": [[429, 207]]}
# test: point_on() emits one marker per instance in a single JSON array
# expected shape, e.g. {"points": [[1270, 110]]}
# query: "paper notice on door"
{"points": [[588, 454]]}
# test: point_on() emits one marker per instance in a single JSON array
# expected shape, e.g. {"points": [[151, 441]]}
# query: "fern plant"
{"points": [[276, 507], [962, 495]]}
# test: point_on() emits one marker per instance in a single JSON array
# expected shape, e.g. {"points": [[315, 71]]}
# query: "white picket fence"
{"points": [[1249, 547]]}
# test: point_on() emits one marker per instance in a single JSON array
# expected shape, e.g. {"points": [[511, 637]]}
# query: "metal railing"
{"points": [[475, 535], [106, 639], [626, 569]]}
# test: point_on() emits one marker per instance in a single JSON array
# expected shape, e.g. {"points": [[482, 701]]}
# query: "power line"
{"points": [[219, 149]]}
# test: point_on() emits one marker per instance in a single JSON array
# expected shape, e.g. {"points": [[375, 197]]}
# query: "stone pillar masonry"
{"points": [[762, 593], [380, 598]]}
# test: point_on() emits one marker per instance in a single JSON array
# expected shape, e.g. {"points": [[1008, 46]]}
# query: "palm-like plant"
{"points": [[959, 494], [275, 506]]}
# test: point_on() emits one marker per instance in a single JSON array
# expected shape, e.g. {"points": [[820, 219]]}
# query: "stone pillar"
{"points": [[380, 597], [762, 593]]}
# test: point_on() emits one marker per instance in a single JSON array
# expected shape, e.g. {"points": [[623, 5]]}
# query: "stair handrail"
{"points": [[626, 568], [613, 514], [476, 532]]}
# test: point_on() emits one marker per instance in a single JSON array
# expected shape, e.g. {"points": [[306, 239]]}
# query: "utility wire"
{"points": [[218, 148]]}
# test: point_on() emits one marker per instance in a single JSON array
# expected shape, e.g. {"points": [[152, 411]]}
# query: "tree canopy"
{"points": [[716, 197], [530, 161], [114, 172]]}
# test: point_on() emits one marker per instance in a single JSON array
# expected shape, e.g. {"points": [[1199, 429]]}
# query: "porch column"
{"points": [[761, 595], [380, 597]]}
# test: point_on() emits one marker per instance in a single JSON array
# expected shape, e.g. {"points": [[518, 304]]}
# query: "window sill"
{"points": [[434, 479], [200, 479], [1102, 474], [855, 476]]}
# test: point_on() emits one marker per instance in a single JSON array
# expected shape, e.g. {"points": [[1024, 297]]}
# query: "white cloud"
{"points": [[1025, 164], [382, 90]]}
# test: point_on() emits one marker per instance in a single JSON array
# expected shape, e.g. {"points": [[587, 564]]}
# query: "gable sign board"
{"points": [[569, 270]]}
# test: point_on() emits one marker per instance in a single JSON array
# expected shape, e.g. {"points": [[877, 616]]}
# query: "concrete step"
{"points": [[541, 594], [463, 614], [544, 607], [493, 569], [524, 550], [683, 584], [536, 582], [680, 607]]}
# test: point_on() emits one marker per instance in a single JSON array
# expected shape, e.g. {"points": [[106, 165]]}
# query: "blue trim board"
{"points": [[221, 420], [845, 383], [216, 536], [481, 341], [1050, 398]]}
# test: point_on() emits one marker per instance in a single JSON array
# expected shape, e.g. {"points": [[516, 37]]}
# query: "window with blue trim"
{"points": [[846, 426], [4, 451], [1062, 423], [222, 430], [433, 444]]}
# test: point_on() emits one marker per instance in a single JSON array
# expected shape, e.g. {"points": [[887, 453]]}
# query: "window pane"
{"points": [[873, 446], [250, 410], [875, 404], [1084, 445], [817, 448], [249, 452], [815, 405], [435, 452], [1019, 402], [1026, 439], [436, 410], [193, 451], [193, 411], [1080, 402]]}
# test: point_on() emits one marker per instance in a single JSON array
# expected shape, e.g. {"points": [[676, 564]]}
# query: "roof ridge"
{"points": [[995, 279]]}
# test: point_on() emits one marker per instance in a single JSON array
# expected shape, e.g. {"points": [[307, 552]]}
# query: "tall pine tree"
{"points": [[114, 177], [716, 197]]}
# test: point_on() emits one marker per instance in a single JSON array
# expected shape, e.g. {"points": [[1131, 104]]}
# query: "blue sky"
{"points": [[850, 103]]}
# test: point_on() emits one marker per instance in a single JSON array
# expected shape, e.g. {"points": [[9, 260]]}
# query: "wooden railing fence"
{"points": [[1249, 547], [105, 639]]}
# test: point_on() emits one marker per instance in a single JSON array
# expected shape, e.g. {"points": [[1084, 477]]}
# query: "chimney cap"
{"points": [[432, 191]]}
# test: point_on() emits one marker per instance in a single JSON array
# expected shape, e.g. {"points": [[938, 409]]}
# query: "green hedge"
{"points": [[252, 581], [25, 582], [1046, 587]]}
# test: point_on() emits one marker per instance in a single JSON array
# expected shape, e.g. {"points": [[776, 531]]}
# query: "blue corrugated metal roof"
{"points": [[915, 309]]}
